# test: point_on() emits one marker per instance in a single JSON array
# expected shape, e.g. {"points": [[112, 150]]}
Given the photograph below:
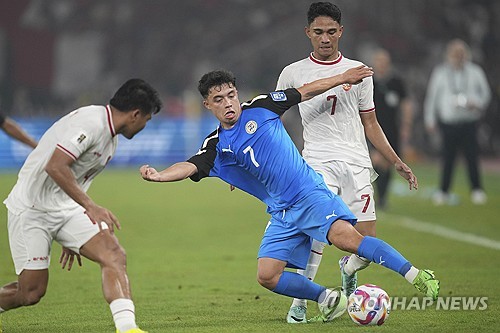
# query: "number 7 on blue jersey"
{"points": [[252, 155]]}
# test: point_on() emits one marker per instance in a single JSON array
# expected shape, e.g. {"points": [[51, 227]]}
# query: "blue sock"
{"points": [[380, 252], [298, 286]]}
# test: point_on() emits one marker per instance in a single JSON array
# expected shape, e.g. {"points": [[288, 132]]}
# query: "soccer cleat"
{"points": [[297, 315], [333, 306], [133, 330], [349, 282], [315, 319], [426, 282]]}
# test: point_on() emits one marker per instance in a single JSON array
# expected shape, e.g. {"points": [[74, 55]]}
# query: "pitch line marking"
{"points": [[445, 232]]}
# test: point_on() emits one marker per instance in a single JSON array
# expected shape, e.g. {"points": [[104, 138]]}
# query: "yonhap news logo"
{"points": [[448, 303]]}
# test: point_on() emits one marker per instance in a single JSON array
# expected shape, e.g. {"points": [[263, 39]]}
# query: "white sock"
{"points": [[123, 311], [315, 257], [355, 263], [2, 310], [411, 274], [312, 267]]}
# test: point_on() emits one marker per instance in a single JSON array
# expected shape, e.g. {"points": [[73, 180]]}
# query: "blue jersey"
{"points": [[258, 156]]}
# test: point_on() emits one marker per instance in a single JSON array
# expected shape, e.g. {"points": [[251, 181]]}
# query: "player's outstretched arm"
{"points": [[352, 76], [176, 172], [14, 130]]}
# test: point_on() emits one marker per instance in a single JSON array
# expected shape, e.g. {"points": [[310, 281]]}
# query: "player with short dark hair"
{"points": [[327, 9], [252, 151], [49, 201], [336, 125]]}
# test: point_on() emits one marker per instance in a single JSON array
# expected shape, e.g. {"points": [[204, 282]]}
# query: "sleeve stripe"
{"points": [[253, 100], [366, 111], [67, 152], [205, 143]]}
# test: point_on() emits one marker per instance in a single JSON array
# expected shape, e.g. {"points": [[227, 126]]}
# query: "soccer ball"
{"points": [[369, 305]]}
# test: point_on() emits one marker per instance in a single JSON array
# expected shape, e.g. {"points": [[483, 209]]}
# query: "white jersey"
{"points": [[86, 135], [331, 121]]}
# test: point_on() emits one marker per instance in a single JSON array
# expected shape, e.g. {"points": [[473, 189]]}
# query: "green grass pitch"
{"points": [[192, 249]]}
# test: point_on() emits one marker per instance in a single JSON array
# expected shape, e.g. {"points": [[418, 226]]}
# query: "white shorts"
{"points": [[31, 234], [353, 184]]}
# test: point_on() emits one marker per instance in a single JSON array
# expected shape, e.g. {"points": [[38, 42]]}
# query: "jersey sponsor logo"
{"points": [[227, 150], [331, 215], [251, 127], [81, 138], [278, 96], [346, 86]]}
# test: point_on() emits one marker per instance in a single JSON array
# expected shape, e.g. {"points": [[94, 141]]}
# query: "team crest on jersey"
{"points": [[346, 86], [251, 127], [278, 96]]}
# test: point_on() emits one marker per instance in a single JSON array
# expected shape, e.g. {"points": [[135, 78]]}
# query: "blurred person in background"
{"points": [[50, 203], [11, 128], [336, 125], [395, 116], [457, 96]]}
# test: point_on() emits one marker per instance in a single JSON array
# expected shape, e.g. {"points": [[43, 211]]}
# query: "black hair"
{"points": [[323, 9], [215, 79], [136, 94]]}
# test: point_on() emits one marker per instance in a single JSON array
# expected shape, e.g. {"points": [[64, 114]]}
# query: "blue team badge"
{"points": [[251, 127], [278, 96]]}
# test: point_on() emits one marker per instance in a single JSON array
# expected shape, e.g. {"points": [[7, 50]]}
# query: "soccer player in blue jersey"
{"points": [[252, 151]]}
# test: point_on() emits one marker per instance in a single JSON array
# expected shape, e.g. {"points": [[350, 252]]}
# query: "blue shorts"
{"points": [[288, 236]]}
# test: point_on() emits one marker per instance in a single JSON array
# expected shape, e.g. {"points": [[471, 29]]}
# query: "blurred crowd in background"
{"points": [[56, 55]]}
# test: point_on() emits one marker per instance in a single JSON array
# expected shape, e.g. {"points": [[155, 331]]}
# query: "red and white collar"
{"points": [[110, 120], [320, 62]]}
